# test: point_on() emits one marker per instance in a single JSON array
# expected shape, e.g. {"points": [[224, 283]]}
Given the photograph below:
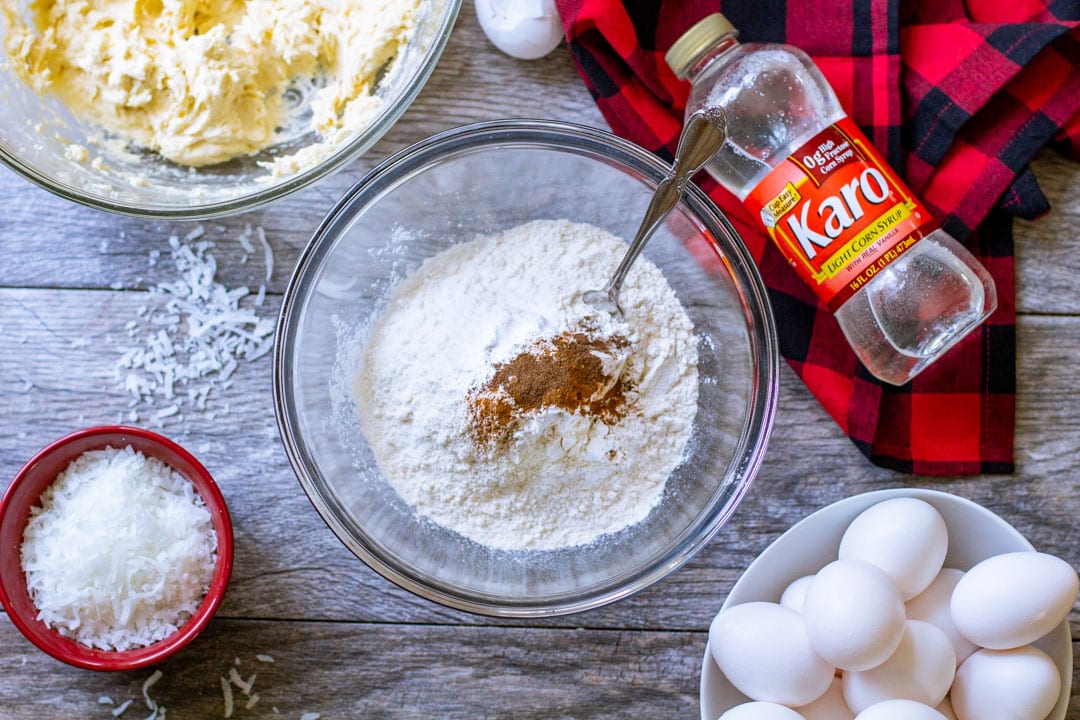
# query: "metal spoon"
{"points": [[702, 135]]}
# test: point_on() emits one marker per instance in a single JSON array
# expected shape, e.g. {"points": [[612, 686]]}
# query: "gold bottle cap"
{"points": [[695, 41]]}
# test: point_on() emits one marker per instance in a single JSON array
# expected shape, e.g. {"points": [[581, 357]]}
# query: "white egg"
{"points": [[932, 606], [761, 711], [900, 710], [525, 29], [763, 650], [853, 615], [1013, 599], [921, 669], [830, 706], [905, 537], [1019, 684], [945, 708], [795, 593]]}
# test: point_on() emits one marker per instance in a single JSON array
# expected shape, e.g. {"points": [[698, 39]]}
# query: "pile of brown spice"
{"points": [[566, 371]]}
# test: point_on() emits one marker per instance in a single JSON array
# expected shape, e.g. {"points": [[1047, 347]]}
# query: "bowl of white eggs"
{"points": [[903, 604]]}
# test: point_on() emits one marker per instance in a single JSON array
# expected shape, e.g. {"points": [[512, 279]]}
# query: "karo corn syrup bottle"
{"points": [[902, 289]]}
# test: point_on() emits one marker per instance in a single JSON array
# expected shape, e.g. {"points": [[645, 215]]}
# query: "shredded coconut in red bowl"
{"points": [[117, 548]]}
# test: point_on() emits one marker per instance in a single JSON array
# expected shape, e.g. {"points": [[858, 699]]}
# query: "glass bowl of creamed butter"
{"points": [[193, 109]]}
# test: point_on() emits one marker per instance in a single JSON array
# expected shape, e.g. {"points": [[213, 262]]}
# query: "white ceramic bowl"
{"points": [[975, 534]]}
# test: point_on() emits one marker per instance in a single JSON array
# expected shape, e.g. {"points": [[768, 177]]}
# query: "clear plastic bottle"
{"points": [[902, 289]]}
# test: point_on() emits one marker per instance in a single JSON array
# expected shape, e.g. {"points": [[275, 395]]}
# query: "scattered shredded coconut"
{"points": [[226, 691], [120, 551], [243, 685], [268, 254], [229, 699], [157, 712], [149, 683], [167, 412], [193, 340], [245, 240]]}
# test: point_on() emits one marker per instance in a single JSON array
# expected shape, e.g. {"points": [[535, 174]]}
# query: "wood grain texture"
{"points": [[283, 547], [348, 643], [1046, 262], [354, 670], [382, 671]]}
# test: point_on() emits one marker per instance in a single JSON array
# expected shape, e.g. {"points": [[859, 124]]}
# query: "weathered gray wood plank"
{"points": [[47, 242], [1046, 261], [347, 642], [383, 671], [283, 547], [380, 671]]}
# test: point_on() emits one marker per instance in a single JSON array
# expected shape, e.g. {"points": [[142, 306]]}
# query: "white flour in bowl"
{"points": [[559, 477]]}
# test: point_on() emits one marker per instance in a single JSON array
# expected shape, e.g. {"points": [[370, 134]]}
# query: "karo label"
{"points": [[838, 212]]}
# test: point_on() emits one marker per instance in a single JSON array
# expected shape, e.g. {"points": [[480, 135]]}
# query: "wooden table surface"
{"points": [[348, 644]]}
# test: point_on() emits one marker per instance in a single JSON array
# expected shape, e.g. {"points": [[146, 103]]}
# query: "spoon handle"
{"points": [[703, 135]]}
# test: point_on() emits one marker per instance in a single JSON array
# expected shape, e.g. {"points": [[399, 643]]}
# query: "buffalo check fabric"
{"points": [[959, 96]]}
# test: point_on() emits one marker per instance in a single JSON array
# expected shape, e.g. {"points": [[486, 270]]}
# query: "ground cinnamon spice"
{"points": [[566, 372]]}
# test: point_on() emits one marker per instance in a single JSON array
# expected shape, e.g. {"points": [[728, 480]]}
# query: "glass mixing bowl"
{"points": [[36, 131], [479, 179]]}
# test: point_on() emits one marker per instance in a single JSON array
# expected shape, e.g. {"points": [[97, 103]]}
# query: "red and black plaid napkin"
{"points": [[960, 96]]}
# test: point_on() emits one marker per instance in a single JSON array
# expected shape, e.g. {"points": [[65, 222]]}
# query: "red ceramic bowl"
{"points": [[25, 492]]}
